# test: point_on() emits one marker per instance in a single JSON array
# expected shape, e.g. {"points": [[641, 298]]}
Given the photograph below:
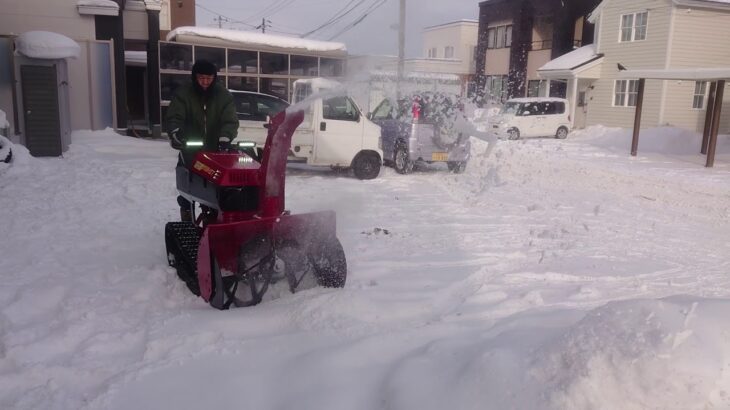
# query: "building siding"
{"points": [[700, 39], [497, 61], [646, 54], [60, 16]]}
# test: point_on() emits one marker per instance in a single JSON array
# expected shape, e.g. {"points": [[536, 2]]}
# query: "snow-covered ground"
{"points": [[552, 274]]}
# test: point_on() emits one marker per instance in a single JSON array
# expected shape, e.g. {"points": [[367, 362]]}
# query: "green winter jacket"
{"points": [[205, 117]]}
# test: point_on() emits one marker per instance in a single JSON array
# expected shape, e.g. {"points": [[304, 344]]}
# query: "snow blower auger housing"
{"points": [[243, 240]]}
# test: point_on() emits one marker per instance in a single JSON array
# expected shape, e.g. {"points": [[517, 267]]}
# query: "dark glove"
{"points": [[224, 144], [176, 139]]}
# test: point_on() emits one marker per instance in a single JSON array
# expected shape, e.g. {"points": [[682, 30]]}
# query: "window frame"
{"points": [[630, 90], [499, 36], [702, 96], [632, 28], [449, 52]]}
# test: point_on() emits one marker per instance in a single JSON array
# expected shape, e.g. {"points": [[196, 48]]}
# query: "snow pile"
{"points": [[664, 140], [639, 354], [255, 39], [46, 45], [551, 274]]}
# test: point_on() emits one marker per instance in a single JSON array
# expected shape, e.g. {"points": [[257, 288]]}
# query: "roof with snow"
{"points": [[46, 45], [248, 39], [573, 60], [98, 7], [571, 64]]}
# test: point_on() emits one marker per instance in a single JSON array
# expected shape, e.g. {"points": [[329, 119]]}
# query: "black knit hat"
{"points": [[204, 67]]}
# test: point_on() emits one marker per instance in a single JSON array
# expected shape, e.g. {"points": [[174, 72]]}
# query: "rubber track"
{"points": [[182, 240]]}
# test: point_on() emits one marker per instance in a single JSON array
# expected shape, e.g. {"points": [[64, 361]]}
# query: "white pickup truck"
{"points": [[334, 133]]}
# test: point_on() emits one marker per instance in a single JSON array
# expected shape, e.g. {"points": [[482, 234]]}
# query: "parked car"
{"points": [[334, 132], [532, 117], [422, 127]]}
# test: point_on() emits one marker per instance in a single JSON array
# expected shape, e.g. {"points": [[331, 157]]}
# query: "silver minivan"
{"points": [[532, 117]]}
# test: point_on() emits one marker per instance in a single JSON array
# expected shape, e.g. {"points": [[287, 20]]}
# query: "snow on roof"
{"points": [[722, 73], [46, 45], [256, 39], [153, 4], [98, 7], [98, 3], [417, 75], [319, 83], [572, 60]]}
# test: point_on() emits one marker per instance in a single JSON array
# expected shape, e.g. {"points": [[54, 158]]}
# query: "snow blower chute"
{"points": [[243, 240]]}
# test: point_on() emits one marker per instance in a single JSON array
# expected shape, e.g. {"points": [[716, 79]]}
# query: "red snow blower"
{"points": [[243, 240]]}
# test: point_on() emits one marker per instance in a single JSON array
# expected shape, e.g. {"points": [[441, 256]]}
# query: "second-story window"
{"points": [[633, 26], [448, 52], [499, 37], [432, 52]]}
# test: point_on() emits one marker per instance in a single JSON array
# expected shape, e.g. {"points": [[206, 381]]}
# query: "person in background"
{"points": [[204, 112]]}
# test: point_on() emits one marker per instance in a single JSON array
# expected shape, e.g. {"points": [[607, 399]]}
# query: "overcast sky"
{"points": [[376, 34]]}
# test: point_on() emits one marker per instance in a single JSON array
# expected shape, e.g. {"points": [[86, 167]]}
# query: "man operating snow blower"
{"points": [[244, 240], [202, 115]]}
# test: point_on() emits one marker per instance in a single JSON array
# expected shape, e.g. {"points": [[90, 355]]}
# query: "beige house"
{"points": [[449, 48], [646, 35]]}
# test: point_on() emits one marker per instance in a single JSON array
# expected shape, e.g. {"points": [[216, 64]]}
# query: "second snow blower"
{"points": [[243, 240]]}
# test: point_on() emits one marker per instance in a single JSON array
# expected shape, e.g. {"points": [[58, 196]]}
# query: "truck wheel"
{"points": [[457, 167], [514, 134], [561, 133], [401, 162], [366, 166]]}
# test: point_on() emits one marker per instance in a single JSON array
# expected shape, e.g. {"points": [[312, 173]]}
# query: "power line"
{"points": [[222, 17], [374, 6], [336, 17], [270, 10]]}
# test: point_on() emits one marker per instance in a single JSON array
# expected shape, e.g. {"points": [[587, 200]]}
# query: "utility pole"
{"points": [[401, 43], [220, 20], [264, 22]]}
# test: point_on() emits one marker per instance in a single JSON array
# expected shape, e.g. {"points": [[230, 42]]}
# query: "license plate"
{"points": [[439, 156], [495, 126]]}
